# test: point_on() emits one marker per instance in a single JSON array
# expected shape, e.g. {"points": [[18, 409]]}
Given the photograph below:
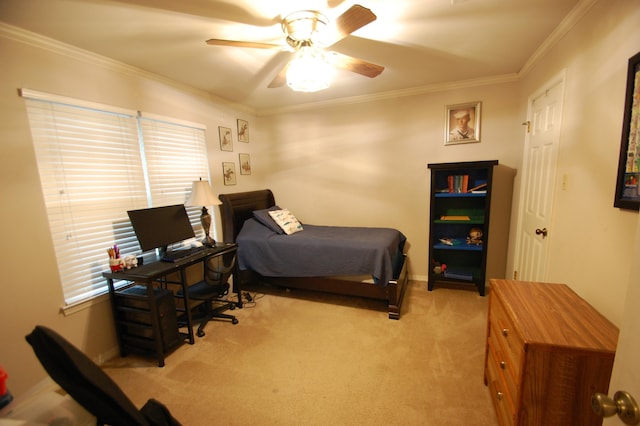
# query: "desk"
{"points": [[155, 330]]}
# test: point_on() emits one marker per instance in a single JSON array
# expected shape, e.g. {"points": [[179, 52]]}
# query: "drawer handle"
{"points": [[503, 365], [505, 332], [499, 395]]}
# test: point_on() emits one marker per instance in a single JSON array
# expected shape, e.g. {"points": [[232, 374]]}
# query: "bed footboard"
{"points": [[397, 288]]}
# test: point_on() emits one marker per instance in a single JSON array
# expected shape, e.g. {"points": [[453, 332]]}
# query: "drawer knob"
{"points": [[622, 404], [505, 332], [503, 365], [499, 395]]}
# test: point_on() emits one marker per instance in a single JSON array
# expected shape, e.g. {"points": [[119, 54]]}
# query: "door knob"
{"points": [[622, 404], [542, 232]]}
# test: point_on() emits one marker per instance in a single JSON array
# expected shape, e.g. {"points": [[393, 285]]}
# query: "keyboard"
{"points": [[178, 255]]}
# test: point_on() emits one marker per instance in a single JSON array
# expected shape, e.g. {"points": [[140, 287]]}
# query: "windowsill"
{"points": [[86, 304]]}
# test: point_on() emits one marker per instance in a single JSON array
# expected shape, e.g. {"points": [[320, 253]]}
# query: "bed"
{"points": [[322, 269]]}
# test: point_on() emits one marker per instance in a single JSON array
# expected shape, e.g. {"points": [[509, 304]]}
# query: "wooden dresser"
{"points": [[547, 352]]}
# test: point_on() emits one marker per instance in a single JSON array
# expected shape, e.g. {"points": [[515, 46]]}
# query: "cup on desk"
{"points": [[116, 264]]}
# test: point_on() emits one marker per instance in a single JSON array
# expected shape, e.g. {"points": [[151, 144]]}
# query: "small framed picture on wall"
{"points": [[243, 130], [226, 141], [229, 173], [245, 164], [462, 123]]}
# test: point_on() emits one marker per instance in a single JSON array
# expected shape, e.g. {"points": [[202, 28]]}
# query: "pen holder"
{"points": [[116, 264]]}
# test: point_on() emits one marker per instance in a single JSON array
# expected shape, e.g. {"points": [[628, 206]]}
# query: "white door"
{"points": [[626, 369], [537, 189]]}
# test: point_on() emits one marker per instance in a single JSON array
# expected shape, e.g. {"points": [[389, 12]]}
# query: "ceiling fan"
{"points": [[308, 34]]}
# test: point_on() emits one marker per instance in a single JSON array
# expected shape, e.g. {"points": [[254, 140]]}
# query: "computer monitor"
{"points": [[159, 227]]}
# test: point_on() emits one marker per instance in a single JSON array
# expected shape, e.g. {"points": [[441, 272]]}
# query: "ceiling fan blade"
{"points": [[234, 43], [354, 65], [280, 79], [353, 19]]}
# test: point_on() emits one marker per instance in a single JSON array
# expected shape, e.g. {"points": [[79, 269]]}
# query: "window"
{"points": [[95, 163]]}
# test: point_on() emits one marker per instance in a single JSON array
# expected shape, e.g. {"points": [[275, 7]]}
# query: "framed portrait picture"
{"points": [[243, 130], [627, 185], [229, 173], [245, 164], [226, 141], [462, 123]]}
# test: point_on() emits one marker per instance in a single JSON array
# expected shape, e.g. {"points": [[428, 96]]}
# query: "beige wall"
{"points": [[359, 164], [366, 164]]}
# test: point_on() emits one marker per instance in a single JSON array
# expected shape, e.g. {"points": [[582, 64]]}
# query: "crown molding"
{"points": [[46, 43], [576, 14], [394, 94]]}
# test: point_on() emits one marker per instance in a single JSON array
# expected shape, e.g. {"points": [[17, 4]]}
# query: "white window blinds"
{"points": [[176, 155], [93, 169]]}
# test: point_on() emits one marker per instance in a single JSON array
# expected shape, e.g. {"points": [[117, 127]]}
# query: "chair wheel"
{"points": [[234, 321], [232, 306], [200, 333]]}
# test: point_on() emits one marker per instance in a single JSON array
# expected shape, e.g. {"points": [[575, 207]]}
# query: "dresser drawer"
{"points": [[500, 393], [504, 331], [505, 368]]}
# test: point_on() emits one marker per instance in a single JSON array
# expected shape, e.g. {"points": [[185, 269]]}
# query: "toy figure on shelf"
{"points": [[475, 236], [438, 268]]}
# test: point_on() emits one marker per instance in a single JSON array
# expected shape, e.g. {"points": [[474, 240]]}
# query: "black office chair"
{"points": [[91, 387], [211, 290]]}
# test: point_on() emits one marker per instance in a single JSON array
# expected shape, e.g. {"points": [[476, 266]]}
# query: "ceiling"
{"points": [[421, 43]]}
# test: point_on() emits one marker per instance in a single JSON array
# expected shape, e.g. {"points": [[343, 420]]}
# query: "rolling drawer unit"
{"points": [[142, 327], [547, 352]]}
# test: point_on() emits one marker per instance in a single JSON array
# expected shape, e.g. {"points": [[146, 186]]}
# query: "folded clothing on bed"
{"points": [[319, 251]]}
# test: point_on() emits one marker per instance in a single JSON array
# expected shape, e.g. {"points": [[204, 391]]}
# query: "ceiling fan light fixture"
{"points": [[309, 71], [305, 25]]}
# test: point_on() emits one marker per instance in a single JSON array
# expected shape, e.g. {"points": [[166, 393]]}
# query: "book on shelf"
{"points": [[459, 273], [458, 183], [455, 217]]}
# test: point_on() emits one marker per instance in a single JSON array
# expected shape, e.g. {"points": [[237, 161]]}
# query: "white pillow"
{"points": [[286, 221]]}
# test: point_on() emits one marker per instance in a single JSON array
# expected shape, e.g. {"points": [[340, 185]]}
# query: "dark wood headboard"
{"points": [[238, 207]]}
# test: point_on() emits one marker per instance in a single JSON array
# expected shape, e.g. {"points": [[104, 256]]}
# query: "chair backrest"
{"points": [[79, 376], [216, 274]]}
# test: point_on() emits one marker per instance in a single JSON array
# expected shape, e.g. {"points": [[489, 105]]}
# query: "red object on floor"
{"points": [[3, 381], [5, 395]]}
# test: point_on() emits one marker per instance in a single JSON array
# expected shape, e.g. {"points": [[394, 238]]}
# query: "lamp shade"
{"points": [[202, 195]]}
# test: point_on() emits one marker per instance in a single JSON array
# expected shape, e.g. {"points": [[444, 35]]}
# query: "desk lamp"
{"points": [[202, 195]]}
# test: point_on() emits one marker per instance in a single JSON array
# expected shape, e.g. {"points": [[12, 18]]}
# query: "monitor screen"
{"points": [[159, 227]]}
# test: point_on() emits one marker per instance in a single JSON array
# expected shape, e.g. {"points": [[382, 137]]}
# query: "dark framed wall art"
{"points": [[627, 188]]}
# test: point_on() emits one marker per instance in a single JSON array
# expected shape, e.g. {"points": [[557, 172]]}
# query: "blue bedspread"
{"points": [[320, 251]]}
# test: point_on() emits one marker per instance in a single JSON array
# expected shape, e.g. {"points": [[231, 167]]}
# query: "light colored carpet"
{"points": [[306, 358]]}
